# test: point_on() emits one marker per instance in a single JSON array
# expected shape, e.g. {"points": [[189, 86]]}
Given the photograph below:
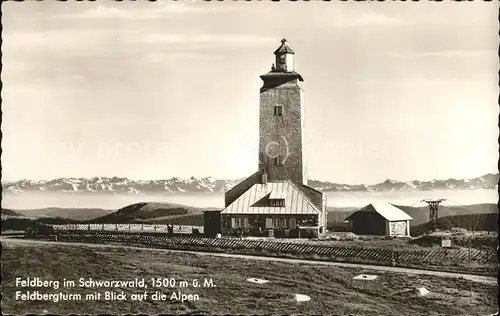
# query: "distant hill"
{"points": [[161, 213], [79, 214], [116, 185], [339, 214], [21, 223], [470, 222], [10, 213], [421, 214]]}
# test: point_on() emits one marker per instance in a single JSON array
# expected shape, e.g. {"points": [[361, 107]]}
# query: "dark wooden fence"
{"points": [[454, 260]]}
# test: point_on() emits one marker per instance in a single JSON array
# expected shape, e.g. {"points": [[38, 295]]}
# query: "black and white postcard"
{"points": [[250, 157]]}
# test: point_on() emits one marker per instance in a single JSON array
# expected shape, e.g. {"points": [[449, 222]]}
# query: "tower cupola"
{"points": [[284, 58]]}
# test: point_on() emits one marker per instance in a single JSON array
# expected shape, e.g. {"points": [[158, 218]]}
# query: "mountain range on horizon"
{"points": [[117, 185]]}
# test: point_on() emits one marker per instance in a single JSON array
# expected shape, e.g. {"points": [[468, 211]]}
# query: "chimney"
{"points": [[264, 178]]}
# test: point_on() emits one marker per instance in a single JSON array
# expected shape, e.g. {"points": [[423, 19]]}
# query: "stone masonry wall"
{"points": [[282, 134]]}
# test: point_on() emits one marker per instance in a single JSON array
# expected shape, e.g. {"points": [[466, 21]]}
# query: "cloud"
{"points": [[152, 11], [101, 11], [444, 53], [216, 39], [178, 7], [15, 42], [167, 57], [376, 18], [416, 82], [14, 65], [366, 19]]}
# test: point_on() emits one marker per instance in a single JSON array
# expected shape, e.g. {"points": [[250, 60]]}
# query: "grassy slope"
{"points": [[7, 212], [145, 211], [471, 222], [158, 213], [332, 289], [421, 214], [79, 214]]}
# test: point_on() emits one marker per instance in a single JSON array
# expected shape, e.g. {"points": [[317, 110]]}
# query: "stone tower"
{"points": [[282, 138]]}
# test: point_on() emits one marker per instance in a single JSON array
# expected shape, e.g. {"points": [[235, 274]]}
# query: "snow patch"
{"points": [[365, 277], [133, 191], [411, 292], [411, 184], [258, 281], [302, 298], [422, 291]]}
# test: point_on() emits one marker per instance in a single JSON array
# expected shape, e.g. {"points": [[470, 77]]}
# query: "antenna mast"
{"points": [[433, 209]]}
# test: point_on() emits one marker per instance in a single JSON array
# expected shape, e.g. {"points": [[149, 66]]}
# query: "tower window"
{"points": [[279, 160], [238, 222], [278, 110], [277, 202]]}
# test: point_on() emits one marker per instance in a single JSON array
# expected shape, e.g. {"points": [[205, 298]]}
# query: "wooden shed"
{"points": [[380, 219], [212, 223]]}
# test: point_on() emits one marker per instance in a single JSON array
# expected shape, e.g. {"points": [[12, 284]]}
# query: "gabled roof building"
{"points": [[380, 219]]}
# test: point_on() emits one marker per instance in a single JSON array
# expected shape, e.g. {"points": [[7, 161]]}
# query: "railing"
{"points": [[452, 259], [126, 228]]}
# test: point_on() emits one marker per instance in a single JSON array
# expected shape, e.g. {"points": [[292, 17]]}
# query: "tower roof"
{"points": [[254, 200], [282, 75], [283, 49], [388, 211]]}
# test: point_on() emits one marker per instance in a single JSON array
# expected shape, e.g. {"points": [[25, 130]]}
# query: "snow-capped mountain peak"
{"points": [[120, 185]]}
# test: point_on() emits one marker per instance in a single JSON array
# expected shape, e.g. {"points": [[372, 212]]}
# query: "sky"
{"points": [[154, 90]]}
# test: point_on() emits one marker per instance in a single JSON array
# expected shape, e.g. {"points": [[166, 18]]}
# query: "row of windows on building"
{"points": [[277, 202], [281, 222]]}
